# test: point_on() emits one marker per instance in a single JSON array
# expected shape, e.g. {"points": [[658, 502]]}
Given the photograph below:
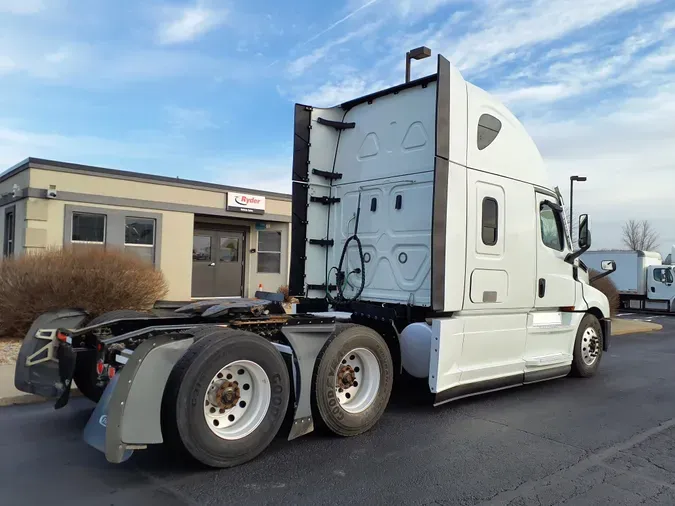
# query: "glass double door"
{"points": [[218, 263]]}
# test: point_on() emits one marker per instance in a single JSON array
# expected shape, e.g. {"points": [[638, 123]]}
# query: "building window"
{"points": [[269, 252], [552, 234], [489, 229], [229, 249], [201, 248], [88, 228], [10, 229], [139, 237]]}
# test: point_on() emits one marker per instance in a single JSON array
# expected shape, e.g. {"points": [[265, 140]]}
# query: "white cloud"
{"points": [[188, 23], [181, 118], [342, 20], [300, 65], [334, 93], [506, 26], [22, 6]]}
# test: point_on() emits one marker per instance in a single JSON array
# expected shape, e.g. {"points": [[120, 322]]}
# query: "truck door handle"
{"points": [[542, 287], [653, 289]]}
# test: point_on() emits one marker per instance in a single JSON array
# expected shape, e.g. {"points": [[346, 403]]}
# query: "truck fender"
{"points": [[128, 416]]}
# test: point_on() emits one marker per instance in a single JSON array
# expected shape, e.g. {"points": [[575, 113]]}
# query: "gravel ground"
{"points": [[9, 349]]}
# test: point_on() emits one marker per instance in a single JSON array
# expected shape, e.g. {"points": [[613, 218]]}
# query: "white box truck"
{"points": [[642, 279], [426, 245]]}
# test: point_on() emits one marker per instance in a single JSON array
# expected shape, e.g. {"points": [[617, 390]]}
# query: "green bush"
{"points": [[606, 286], [92, 279]]}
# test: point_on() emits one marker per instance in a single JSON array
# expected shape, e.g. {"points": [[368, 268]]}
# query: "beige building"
{"points": [[209, 240]]}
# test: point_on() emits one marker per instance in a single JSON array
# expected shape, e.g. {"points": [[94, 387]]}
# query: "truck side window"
{"points": [[489, 229], [552, 234], [663, 275]]}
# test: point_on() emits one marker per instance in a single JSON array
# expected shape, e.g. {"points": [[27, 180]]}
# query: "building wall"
{"points": [[48, 223], [152, 192], [6, 187]]}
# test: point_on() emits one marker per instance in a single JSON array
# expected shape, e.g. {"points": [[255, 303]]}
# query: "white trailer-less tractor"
{"points": [[426, 245]]}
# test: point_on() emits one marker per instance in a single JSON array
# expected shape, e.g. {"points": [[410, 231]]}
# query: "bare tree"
{"points": [[640, 235]]}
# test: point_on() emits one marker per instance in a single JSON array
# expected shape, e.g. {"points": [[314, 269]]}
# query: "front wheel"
{"points": [[587, 347]]}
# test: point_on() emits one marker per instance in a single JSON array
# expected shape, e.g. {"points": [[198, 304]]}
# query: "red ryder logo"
{"points": [[245, 203], [243, 200]]}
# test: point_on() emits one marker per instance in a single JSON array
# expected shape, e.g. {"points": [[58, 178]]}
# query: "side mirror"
{"points": [[584, 232], [608, 265]]}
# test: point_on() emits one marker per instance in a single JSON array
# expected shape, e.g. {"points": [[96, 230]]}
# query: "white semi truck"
{"points": [[643, 280], [426, 243]]}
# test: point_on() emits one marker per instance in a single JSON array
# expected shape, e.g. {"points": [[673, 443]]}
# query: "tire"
{"points": [[85, 376], [589, 340], [336, 410], [187, 428]]}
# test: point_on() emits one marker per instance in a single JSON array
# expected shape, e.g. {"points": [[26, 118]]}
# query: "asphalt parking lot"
{"points": [[607, 440]]}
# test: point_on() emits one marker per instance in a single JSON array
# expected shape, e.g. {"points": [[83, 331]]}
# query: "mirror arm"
{"points": [[600, 276], [571, 257]]}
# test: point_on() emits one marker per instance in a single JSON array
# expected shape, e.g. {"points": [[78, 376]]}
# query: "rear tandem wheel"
{"points": [[226, 398]]}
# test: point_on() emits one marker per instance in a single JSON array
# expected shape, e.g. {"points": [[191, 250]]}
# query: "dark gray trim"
{"points": [[10, 199], [159, 206], [441, 181], [547, 374], [114, 226], [478, 387], [423, 81], [41, 163], [8, 210]]}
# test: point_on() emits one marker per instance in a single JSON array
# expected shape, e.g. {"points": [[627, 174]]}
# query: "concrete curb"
{"points": [[22, 399], [621, 327]]}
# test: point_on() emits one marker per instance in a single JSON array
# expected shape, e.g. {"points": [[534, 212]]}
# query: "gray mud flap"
{"points": [[37, 367], [95, 430]]}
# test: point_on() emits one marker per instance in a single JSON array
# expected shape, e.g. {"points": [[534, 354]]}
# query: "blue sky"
{"points": [[204, 89]]}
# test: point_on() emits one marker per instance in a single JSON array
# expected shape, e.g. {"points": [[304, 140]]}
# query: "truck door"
{"points": [[555, 284], [660, 283]]}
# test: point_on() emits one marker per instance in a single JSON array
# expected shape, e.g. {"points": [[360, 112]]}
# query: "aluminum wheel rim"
{"points": [[363, 370], [252, 400], [590, 346]]}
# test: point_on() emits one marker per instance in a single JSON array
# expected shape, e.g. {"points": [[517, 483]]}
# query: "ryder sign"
{"points": [[245, 203]]}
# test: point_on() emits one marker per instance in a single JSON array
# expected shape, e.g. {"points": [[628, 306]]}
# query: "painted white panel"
{"points": [[446, 353], [393, 136], [456, 240], [323, 140], [493, 346], [513, 153], [515, 250], [395, 242], [551, 334], [489, 286]]}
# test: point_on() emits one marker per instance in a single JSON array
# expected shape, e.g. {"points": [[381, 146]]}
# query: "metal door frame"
{"points": [[225, 227]]}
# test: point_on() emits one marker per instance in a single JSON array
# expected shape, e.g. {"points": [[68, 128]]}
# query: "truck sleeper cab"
{"points": [[425, 242]]}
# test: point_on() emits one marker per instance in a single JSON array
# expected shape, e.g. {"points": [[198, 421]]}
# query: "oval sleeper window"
{"points": [[488, 129]]}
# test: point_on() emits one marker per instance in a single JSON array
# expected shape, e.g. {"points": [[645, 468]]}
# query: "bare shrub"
{"points": [[606, 286], [92, 279]]}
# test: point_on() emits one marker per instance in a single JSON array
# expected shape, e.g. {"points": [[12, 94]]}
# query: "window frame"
{"points": [[115, 227], [154, 232], [668, 270], [72, 227], [9, 245], [560, 226], [496, 219], [281, 245]]}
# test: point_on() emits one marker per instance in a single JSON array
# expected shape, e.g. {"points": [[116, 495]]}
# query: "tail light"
{"points": [[100, 367], [111, 372]]}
